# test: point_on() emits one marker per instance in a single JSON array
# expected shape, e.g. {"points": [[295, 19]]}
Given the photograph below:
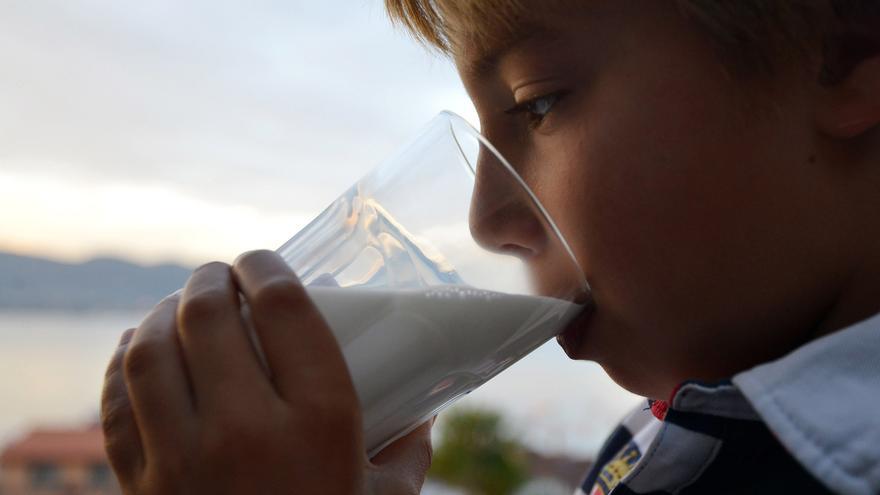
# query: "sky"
{"points": [[190, 131]]}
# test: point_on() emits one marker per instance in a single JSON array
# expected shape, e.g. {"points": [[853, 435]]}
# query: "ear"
{"points": [[851, 107]]}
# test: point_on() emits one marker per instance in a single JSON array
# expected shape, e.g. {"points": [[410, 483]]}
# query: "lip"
{"points": [[572, 336]]}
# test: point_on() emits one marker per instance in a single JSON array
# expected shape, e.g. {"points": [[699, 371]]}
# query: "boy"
{"points": [[715, 167]]}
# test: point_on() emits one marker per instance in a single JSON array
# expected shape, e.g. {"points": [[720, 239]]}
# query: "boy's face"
{"points": [[693, 200]]}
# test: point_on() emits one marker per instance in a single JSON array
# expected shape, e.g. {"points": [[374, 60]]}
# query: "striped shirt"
{"points": [[808, 423]]}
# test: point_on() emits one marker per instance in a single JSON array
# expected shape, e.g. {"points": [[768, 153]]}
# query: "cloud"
{"points": [[276, 106]]}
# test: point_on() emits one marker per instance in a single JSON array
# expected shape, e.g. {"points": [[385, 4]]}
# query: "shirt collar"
{"points": [[823, 403]]}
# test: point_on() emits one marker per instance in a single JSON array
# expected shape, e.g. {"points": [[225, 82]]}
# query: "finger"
{"points": [[157, 382], [301, 353], [215, 342], [121, 438], [406, 460]]}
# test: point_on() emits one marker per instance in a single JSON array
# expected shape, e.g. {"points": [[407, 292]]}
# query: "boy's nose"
{"points": [[503, 218]]}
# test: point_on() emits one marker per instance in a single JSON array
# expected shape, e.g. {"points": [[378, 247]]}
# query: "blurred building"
{"points": [[57, 462]]}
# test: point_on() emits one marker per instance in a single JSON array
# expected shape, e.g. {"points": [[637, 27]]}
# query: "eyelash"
{"points": [[531, 111]]}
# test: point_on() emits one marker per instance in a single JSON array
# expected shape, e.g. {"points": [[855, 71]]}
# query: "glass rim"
{"points": [[454, 118]]}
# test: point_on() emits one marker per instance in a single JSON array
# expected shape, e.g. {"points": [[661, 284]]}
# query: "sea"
{"points": [[52, 365]]}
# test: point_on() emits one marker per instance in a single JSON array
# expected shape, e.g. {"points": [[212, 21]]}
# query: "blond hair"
{"points": [[752, 34]]}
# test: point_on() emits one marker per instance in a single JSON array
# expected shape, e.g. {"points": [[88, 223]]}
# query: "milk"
{"points": [[411, 352]]}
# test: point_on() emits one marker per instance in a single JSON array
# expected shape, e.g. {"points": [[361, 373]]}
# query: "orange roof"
{"points": [[63, 446]]}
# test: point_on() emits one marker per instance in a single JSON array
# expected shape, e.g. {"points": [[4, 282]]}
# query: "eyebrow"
{"points": [[486, 62]]}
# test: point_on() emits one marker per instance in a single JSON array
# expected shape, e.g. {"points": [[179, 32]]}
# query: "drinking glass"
{"points": [[435, 272]]}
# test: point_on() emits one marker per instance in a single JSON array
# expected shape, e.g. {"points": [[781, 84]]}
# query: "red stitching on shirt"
{"points": [[659, 408]]}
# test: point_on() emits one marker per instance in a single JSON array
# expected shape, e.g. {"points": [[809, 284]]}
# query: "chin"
{"points": [[635, 382], [573, 338], [590, 337]]}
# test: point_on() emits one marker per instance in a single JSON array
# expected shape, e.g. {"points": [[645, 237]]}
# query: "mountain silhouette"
{"points": [[103, 283]]}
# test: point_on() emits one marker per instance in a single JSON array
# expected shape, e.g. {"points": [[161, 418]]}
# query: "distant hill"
{"points": [[103, 283]]}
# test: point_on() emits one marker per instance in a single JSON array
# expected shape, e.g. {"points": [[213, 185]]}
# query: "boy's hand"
{"points": [[188, 409]]}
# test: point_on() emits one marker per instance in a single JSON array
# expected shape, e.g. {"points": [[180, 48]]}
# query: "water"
{"points": [[52, 366]]}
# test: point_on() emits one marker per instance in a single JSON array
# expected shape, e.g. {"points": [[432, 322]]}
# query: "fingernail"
{"points": [[126, 337], [174, 296]]}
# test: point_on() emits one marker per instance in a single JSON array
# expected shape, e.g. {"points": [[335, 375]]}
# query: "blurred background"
{"points": [[140, 139]]}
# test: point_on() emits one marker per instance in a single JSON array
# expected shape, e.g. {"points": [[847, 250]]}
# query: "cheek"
{"points": [[647, 197]]}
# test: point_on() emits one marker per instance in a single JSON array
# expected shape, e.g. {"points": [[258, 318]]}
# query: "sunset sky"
{"points": [[189, 131]]}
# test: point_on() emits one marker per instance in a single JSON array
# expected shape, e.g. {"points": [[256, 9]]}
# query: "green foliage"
{"points": [[474, 454]]}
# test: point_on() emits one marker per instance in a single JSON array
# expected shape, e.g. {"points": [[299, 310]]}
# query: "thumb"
{"points": [[401, 466]]}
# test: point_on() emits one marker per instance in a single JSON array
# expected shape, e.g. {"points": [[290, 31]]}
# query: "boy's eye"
{"points": [[536, 109]]}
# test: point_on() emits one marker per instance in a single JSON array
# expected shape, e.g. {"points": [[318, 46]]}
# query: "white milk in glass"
{"points": [[415, 335], [412, 351]]}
